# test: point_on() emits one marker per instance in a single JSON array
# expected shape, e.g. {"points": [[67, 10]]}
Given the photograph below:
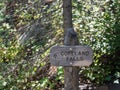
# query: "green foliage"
{"points": [[98, 26], [19, 65], [22, 66], [8, 46], [60, 74]]}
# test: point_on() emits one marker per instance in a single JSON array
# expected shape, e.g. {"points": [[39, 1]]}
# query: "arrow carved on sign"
{"points": [[55, 55]]}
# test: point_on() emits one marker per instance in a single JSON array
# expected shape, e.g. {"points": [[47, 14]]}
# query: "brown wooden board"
{"points": [[71, 55]]}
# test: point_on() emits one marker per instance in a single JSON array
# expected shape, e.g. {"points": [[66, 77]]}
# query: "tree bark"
{"points": [[67, 14], [70, 38]]}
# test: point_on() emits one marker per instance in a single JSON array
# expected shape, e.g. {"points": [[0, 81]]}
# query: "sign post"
{"points": [[71, 56]]}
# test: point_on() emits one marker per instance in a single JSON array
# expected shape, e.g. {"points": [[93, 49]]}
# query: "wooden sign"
{"points": [[71, 55]]}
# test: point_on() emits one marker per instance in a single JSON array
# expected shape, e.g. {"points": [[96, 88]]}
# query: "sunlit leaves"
{"points": [[96, 23]]}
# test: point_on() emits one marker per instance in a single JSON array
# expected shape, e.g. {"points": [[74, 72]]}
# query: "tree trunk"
{"points": [[70, 73]]}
